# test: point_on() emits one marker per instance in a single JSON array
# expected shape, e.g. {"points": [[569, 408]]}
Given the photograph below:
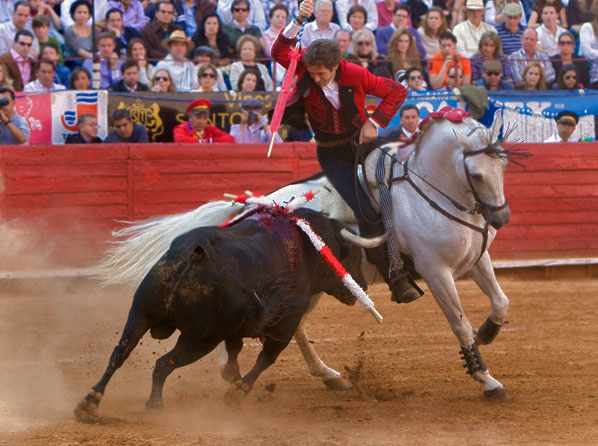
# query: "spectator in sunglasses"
{"points": [[492, 76], [568, 79], [162, 82], [207, 76], [566, 56], [240, 25], [19, 62], [256, 15], [414, 79]]}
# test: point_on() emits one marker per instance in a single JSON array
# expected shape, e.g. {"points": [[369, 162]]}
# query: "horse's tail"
{"points": [[143, 244]]}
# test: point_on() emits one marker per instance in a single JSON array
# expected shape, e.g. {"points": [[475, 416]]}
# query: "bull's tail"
{"points": [[142, 244]]}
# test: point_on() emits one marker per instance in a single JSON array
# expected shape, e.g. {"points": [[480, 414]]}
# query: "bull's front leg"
{"points": [[227, 358], [331, 378]]}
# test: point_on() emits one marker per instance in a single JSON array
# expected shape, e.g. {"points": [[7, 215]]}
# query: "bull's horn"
{"points": [[365, 242]]}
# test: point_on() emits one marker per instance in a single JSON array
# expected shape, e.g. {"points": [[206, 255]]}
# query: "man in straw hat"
{"points": [[566, 122], [197, 129], [332, 92], [181, 70], [469, 32]]}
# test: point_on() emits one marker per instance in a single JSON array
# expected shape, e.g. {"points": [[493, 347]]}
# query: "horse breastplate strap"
{"points": [[436, 206]]}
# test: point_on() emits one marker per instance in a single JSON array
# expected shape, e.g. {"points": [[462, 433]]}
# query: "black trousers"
{"points": [[338, 165]]}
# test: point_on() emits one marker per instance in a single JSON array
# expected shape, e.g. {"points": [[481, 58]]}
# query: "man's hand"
{"points": [[368, 133], [3, 117], [305, 9]]}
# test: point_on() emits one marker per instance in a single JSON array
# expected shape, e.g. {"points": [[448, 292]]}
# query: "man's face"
{"points": [[178, 50], [106, 47], [131, 76], [49, 53], [321, 75], [41, 31], [115, 21], [23, 45], [45, 74], [475, 16], [89, 129], [492, 78], [344, 40], [20, 16], [323, 14], [10, 107], [165, 14], [415, 80], [198, 121], [529, 39], [512, 23], [565, 130], [241, 12], [454, 80], [400, 18], [566, 45], [410, 120], [447, 47], [123, 128], [549, 15]]}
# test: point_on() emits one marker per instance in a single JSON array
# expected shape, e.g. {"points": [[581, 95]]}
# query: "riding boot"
{"points": [[402, 291]]}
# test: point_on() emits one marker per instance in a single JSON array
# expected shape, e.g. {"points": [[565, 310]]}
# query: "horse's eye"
{"points": [[477, 176]]}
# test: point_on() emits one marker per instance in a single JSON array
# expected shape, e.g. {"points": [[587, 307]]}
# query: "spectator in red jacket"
{"points": [[197, 129]]}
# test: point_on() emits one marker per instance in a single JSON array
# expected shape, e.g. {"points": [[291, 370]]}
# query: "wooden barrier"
{"points": [[75, 195]]}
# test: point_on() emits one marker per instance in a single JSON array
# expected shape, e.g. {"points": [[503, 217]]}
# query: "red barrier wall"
{"points": [[73, 194]]}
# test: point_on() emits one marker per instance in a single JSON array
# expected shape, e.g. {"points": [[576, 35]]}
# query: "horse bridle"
{"points": [[480, 205]]}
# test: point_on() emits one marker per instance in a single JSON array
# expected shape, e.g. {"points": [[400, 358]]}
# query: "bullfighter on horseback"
{"points": [[332, 92]]}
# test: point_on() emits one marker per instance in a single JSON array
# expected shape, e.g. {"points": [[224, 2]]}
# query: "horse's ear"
{"points": [[496, 125], [463, 141]]}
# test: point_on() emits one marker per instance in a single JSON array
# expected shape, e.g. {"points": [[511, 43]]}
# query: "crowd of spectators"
{"points": [[224, 45]]}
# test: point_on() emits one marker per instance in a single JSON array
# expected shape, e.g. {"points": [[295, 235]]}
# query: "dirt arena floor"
{"points": [[408, 384]]}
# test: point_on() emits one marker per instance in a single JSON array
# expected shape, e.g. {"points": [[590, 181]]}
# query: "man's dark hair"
{"points": [[84, 117], [163, 3], [9, 91], [20, 3], [23, 32], [119, 114], [107, 35], [111, 11], [40, 62], [401, 6], [447, 35], [238, 2], [324, 52], [407, 108], [128, 64], [39, 21], [50, 45]]}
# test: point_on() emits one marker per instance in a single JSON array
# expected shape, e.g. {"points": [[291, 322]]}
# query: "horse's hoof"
{"points": [[336, 384], [496, 394]]}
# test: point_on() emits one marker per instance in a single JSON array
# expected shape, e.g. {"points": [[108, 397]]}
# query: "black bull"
{"points": [[253, 279]]}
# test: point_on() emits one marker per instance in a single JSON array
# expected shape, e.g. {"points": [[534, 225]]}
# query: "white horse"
{"points": [[463, 172]]}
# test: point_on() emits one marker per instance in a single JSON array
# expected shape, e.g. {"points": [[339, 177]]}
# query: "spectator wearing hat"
{"points": [[521, 58], [205, 55], [197, 129], [240, 25], [492, 77], [495, 12], [510, 30], [130, 79], [448, 57], [210, 34], [566, 122], [469, 32], [322, 27], [182, 70], [254, 127], [549, 31], [125, 130], [154, 33], [109, 62]]}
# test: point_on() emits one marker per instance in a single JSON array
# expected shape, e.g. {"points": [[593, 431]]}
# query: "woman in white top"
{"points": [[433, 24], [248, 47]]}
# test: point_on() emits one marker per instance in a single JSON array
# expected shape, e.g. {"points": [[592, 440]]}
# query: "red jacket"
{"points": [[184, 133], [354, 81]]}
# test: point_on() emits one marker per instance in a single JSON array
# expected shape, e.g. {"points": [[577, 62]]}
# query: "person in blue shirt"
{"points": [[492, 76], [125, 130]]}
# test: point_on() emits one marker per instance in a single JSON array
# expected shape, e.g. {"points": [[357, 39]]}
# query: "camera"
{"points": [[4, 101], [252, 116]]}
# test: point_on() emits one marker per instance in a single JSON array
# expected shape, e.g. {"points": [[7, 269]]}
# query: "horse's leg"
{"points": [[228, 352], [331, 378], [441, 284], [483, 275], [136, 326], [187, 350]]}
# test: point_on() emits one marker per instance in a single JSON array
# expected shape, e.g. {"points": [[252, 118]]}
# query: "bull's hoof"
{"points": [[86, 410], [496, 394], [230, 374], [154, 405], [336, 384], [236, 393]]}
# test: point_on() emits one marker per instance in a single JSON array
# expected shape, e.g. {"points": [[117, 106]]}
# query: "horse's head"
{"points": [[484, 162]]}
